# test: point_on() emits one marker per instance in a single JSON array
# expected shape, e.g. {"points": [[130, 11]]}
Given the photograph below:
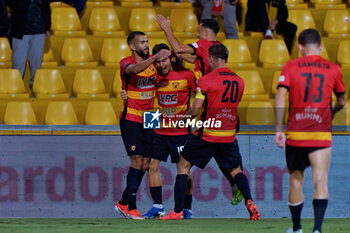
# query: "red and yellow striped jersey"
{"points": [[201, 48], [221, 90], [310, 81], [173, 94], [140, 89]]}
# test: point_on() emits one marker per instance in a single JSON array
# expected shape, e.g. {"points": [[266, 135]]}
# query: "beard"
{"points": [[141, 53]]}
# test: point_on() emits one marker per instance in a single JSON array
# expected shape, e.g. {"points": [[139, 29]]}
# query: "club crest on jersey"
{"points": [[146, 82], [167, 99], [133, 147], [176, 85]]}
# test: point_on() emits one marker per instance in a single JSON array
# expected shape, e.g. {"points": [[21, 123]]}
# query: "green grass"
{"points": [[154, 226]]}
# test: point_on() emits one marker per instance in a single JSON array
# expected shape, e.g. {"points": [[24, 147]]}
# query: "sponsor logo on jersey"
{"points": [[166, 99]]}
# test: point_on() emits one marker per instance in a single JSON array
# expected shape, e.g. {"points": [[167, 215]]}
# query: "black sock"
{"points": [[132, 185], [139, 179], [156, 193], [320, 206], [243, 185], [188, 201], [295, 211], [124, 199], [180, 192]]}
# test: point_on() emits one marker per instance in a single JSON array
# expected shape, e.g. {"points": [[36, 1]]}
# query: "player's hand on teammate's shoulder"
{"points": [[162, 21], [162, 53], [123, 94], [280, 139]]}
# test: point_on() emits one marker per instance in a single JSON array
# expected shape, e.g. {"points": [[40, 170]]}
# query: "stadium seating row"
{"points": [[76, 52], [104, 113], [105, 22]]}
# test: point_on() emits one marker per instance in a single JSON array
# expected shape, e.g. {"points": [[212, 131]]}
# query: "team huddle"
{"points": [[218, 91]]}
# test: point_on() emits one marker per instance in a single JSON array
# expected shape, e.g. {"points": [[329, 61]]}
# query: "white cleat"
{"points": [[290, 230]]}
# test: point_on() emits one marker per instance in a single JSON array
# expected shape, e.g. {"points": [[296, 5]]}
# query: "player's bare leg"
{"points": [[319, 161], [183, 169], [295, 198], [242, 183]]}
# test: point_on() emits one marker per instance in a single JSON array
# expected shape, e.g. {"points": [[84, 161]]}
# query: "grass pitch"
{"points": [[155, 226]]}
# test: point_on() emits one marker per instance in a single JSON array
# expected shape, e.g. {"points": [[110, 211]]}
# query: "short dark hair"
{"points": [[212, 24], [133, 34], [309, 36], [218, 51], [159, 47]]}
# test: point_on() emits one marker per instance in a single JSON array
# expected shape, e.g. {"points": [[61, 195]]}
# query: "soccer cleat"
{"points": [[123, 209], [134, 214], [290, 230], [154, 212], [315, 231], [187, 213], [253, 210], [173, 216], [237, 196]]}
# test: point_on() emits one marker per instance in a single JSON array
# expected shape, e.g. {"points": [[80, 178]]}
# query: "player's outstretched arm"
{"points": [[164, 23], [280, 138], [141, 66], [339, 104], [195, 108]]}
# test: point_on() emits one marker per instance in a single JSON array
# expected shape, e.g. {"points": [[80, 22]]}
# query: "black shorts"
{"points": [[137, 140], [298, 157], [165, 145], [199, 152]]}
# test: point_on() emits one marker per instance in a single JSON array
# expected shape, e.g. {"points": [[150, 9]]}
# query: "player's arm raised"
{"points": [[164, 23], [279, 114], [141, 66]]}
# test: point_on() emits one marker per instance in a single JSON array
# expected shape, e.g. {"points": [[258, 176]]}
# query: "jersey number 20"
{"points": [[231, 91]]}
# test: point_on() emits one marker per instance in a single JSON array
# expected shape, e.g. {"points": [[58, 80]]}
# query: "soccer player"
{"points": [[219, 93], [207, 31], [138, 76], [174, 86], [310, 81]]}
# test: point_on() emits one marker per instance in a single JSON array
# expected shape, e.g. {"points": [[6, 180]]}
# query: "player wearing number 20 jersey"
{"points": [[310, 81]]}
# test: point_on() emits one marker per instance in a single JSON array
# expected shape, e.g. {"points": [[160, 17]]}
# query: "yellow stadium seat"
{"points": [[183, 22], [260, 113], [133, 4], [95, 4], [343, 116], [343, 54], [113, 50], [48, 83], [273, 53], [302, 18], [19, 113], [11, 85], [253, 86], [48, 60], [100, 113], [117, 84], [89, 84], [76, 52], [239, 55], [58, 4], [144, 19], [60, 113], [5, 53], [327, 4], [334, 24], [175, 4], [65, 22], [276, 76], [296, 4], [105, 22], [152, 42]]}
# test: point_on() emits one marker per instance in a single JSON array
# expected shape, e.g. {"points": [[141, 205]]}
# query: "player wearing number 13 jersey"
{"points": [[310, 81], [218, 93]]}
